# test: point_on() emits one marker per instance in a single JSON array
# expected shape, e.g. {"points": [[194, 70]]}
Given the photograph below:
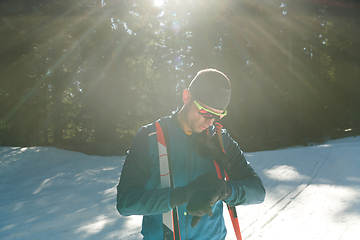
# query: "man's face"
{"points": [[195, 121]]}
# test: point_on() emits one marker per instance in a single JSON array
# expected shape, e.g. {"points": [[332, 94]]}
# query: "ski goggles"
{"points": [[208, 114]]}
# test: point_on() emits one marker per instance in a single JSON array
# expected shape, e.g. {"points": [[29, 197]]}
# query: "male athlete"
{"points": [[191, 146]]}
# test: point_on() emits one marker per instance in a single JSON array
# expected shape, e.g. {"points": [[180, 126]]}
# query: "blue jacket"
{"points": [[139, 192]]}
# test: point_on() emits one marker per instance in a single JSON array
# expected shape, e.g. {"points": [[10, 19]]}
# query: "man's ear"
{"points": [[186, 96]]}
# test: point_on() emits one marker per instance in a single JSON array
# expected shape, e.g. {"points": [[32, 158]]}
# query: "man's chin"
{"points": [[201, 128]]}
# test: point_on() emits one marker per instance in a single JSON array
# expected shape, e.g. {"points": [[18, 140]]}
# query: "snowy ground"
{"points": [[47, 193]]}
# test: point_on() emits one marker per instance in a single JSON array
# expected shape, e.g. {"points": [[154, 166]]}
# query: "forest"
{"points": [[85, 75]]}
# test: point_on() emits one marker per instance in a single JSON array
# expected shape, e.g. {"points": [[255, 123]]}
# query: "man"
{"points": [[198, 192]]}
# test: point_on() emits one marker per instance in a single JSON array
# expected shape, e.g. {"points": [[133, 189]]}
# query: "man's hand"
{"points": [[200, 203], [208, 182], [210, 148]]}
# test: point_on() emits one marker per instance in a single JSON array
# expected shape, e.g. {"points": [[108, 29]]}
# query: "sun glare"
{"points": [[158, 3]]}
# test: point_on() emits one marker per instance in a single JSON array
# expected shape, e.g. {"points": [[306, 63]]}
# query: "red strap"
{"points": [[232, 210]]}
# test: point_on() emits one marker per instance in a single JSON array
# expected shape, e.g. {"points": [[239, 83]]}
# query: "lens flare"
{"points": [[178, 62], [176, 26]]}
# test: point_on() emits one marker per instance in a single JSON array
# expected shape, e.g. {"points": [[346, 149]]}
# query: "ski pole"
{"points": [[232, 210]]}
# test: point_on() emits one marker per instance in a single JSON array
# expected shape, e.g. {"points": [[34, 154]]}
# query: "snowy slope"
{"points": [[47, 193]]}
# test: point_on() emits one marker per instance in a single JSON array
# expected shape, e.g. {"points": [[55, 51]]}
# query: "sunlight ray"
{"points": [[55, 66]]}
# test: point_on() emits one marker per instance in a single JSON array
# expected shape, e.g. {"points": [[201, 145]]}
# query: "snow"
{"points": [[47, 193]]}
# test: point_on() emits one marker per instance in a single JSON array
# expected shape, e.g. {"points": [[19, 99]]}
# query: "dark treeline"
{"points": [[86, 75]]}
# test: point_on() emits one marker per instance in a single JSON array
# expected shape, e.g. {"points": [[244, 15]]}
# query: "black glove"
{"points": [[200, 203], [208, 182], [210, 148]]}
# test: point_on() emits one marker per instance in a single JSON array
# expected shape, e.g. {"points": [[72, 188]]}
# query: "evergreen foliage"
{"points": [[85, 75]]}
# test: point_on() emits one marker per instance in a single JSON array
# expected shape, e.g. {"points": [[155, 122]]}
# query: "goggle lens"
{"points": [[207, 114]]}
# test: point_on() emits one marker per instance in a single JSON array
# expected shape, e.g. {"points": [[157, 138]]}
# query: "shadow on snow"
{"points": [[48, 193]]}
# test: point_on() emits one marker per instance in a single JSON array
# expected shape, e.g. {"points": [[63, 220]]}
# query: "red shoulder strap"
{"points": [[232, 210]]}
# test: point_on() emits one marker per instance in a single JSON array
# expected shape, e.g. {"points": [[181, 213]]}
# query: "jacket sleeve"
{"points": [[246, 184], [132, 197]]}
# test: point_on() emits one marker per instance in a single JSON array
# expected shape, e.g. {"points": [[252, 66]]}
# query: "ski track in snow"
{"points": [[47, 193]]}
